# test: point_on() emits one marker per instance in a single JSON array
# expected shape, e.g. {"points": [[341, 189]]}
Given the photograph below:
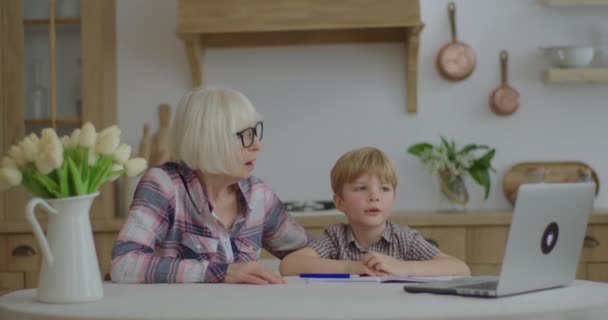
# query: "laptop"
{"points": [[543, 248]]}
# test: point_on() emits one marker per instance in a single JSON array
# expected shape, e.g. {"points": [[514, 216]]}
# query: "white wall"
{"points": [[320, 101]]}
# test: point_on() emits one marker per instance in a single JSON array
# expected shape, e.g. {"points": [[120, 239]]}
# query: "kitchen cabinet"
{"points": [[205, 24], [477, 238]]}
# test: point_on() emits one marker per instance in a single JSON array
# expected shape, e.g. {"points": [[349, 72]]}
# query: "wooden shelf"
{"points": [[57, 21], [575, 75], [39, 122], [203, 24], [574, 3]]}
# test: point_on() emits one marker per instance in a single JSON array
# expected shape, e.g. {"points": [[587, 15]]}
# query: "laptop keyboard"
{"points": [[483, 286]]}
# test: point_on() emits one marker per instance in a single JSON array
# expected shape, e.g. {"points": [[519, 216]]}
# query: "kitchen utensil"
{"points": [[570, 56], [144, 143], [546, 172], [504, 100], [455, 60], [160, 151]]}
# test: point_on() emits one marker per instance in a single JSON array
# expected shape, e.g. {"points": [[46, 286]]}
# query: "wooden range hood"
{"points": [[245, 23]]}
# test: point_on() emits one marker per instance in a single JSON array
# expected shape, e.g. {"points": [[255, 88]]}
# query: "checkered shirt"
{"points": [[400, 242]]}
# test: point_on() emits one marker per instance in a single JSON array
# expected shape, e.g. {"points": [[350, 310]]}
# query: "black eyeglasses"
{"points": [[248, 135]]}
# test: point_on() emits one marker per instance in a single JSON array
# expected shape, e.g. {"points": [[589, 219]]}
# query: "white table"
{"points": [[299, 300]]}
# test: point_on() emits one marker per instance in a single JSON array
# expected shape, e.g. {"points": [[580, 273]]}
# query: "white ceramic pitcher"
{"points": [[70, 272]]}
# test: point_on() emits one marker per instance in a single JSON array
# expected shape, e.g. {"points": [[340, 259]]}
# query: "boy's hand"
{"points": [[380, 263], [251, 272], [357, 267]]}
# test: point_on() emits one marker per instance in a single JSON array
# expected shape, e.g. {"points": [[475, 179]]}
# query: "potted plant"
{"points": [[64, 175], [451, 164]]}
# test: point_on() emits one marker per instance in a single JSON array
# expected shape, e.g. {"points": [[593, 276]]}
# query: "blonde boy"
{"points": [[364, 182]]}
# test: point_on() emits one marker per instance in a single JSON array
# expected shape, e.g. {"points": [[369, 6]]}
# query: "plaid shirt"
{"points": [[400, 242], [172, 235]]}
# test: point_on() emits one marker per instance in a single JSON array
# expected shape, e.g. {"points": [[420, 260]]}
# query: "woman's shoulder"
{"points": [[169, 171], [253, 183]]}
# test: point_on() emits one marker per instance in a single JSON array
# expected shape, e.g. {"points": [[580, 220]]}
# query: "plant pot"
{"points": [[453, 194]]}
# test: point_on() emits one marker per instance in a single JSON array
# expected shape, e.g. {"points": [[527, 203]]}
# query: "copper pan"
{"points": [[504, 100], [455, 60]]}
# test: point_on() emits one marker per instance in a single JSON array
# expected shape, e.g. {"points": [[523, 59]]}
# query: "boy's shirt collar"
{"points": [[386, 235]]}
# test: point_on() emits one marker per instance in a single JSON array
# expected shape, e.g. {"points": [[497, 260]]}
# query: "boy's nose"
{"points": [[373, 196]]}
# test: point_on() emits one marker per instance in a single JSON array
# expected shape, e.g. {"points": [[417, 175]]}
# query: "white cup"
{"points": [[570, 56]]}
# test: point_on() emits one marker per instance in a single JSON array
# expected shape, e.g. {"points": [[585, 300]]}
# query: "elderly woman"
{"points": [[204, 217]]}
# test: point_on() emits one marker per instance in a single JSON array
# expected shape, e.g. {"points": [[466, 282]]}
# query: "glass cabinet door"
{"points": [[38, 95]]}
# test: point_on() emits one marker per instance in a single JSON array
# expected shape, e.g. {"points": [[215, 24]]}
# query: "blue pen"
{"points": [[327, 275]]}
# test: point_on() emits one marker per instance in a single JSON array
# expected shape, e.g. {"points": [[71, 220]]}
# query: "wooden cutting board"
{"points": [[546, 172]]}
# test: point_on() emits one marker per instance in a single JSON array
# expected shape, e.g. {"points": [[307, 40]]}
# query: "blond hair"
{"points": [[205, 126], [367, 160]]}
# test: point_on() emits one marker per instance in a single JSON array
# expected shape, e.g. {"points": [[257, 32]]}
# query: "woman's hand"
{"points": [[251, 272], [380, 263]]}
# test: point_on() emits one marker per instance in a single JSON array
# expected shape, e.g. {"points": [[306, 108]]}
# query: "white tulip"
{"points": [[29, 146], [9, 162], [75, 138], [122, 153], [51, 152], [44, 166], [108, 140], [10, 177], [113, 130], [88, 135], [135, 166], [16, 153], [34, 137], [49, 136], [66, 142], [92, 157], [116, 167]]}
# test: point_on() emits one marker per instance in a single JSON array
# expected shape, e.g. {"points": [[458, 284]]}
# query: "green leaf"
{"points": [[34, 187], [62, 174], [418, 148], [85, 168], [101, 173], [115, 173], [484, 161], [51, 186], [481, 176], [445, 142], [471, 147], [76, 178]]}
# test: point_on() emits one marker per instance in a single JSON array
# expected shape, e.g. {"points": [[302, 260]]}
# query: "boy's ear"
{"points": [[338, 202]]}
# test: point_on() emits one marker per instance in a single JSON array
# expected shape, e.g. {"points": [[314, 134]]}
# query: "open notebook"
{"points": [[384, 279]]}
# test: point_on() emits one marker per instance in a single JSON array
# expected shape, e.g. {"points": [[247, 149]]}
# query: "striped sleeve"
{"points": [[151, 212], [282, 234]]}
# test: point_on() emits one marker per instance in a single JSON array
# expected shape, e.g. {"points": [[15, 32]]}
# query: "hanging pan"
{"points": [[456, 60], [504, 99]]}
